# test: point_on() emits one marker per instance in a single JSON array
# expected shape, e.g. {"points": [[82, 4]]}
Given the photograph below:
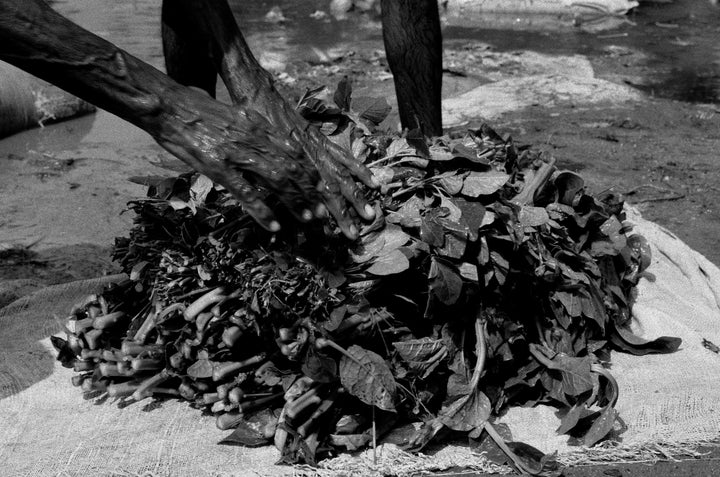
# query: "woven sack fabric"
{"points": [[49, 429]]}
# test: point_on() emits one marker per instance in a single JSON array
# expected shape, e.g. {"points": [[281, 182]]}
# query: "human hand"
{"points": [[258, 163]]}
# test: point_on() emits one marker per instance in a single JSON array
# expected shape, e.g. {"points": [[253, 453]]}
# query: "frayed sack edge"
{"points": [[610, 452]]}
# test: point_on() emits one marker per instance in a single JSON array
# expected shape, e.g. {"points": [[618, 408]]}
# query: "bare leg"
{"points": [[187, 51], [251, 86], [413, 46]]}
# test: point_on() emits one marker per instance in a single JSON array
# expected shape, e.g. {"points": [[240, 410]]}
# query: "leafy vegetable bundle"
{"points": [[488, 280]]}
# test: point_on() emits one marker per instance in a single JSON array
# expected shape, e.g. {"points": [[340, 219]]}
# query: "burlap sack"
{"points": [[667, 401], [27, 102]]}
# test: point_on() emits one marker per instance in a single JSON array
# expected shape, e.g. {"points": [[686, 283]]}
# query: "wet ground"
{"points": [[64, 186]]}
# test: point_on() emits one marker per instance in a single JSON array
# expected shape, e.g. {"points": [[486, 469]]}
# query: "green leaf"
{"points": [[569, 186], [374, 110], [601, 427], [351, 442], [466, 412], [472, 214], [65, 354], [394, 237], [343, 93], [367, 376], [445, 282], [612, 239], [483, 183], [440, 153], [453, 184], [572, 417], [431, 232], [469, 272], [641, 251], [570, 301], [454, 213], [400, 148], [384, 175], [593, 306], [464, 152], [137, 270], [200, 189], [246, 435], [418, 349], [422, 355], [626, 341], [314, 109], [369, 247], [409, 214], [577, 376], [375, 245], [533, 216], [391, 263], [501, 266], [535, 461], [202, 368], [454, 246], [320, 367]]}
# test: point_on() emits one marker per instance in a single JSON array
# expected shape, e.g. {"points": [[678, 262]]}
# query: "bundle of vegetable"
{"points": [[487, 280]]}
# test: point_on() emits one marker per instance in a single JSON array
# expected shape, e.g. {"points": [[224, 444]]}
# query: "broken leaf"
{"points": [[445, 282], [374, 110], [533, 216], [246, 435], [391, 263], [351, 442], [483, 183], [365, 375], [384, 175], [202, 368]]}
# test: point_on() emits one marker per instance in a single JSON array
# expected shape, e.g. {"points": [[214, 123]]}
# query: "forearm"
{"points": [[42, 42], [191, 125], [257, 149], [248, 83]]}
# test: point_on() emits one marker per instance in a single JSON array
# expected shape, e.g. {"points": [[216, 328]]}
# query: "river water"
{"points": [[679, 39]]}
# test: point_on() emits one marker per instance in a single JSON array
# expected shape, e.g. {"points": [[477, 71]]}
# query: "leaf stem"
{"points": [[374, 436], [504, 447], [324, 407], [526, 195], [145, 389], [146, 327], [480, 352], [323, 342], [598, 368], [538, 355]]}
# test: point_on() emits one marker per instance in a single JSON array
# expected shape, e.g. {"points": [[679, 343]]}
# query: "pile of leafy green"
{"points": [[487, 280]]}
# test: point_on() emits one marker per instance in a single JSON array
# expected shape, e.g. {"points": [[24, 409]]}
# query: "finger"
{"points": [[353, 194], [252, 202], [336, 207], [301, 199], [249, 196], [338, 178], [358, 170], [291, 183]]}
